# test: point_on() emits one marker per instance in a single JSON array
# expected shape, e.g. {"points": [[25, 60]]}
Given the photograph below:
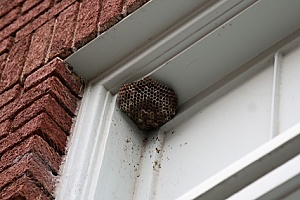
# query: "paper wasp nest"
{"points": [[148, 103]]}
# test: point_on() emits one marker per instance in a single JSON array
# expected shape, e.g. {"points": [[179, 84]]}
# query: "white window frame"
{"points": [[144, 51]]}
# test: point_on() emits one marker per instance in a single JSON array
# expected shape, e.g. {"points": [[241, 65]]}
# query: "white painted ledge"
{"points": [[278, 184], [250, 168]]}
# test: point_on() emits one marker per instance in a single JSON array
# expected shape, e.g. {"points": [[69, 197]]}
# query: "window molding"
{"points": [[240, 174], [215, 24], [278, 184], [164, 35], [78, 170], [156, 50]]}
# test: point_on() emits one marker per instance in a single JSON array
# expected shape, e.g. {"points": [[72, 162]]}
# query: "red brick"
{"points": [[9, 17], [24, 188], [48, 105], [24, 19], [87, 26], [10, 95], [32, 167], [63, 95], [41, 125], [132, 5], [39, 46], [12, 71], [29, 4], [57, 68], [51, 86], [110, 14], [6, 45], [7, 5], [58, 8], [35, 145], [4, 128], [8, 111], [64, 33], [2, 63]]}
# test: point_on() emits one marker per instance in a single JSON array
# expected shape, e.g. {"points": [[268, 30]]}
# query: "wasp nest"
{"points": [[148, 103]]}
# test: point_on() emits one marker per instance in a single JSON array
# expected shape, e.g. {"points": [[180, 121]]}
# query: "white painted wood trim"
{"points": [[187, 43], [87, 146], [249, 168], [78, 170], [274, 124], [277, 184], [130, 47]]}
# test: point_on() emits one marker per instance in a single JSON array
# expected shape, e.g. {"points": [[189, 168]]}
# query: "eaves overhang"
{"points": [[184, 44]]}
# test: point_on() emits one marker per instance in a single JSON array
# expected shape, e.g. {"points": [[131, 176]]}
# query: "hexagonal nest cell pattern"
{"points": [[148, 103]]}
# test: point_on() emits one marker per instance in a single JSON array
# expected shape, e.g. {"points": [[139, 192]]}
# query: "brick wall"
{"points": [[39, 94]]}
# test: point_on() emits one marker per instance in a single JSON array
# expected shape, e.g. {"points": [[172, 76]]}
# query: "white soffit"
{"points": [[187, 45]]}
